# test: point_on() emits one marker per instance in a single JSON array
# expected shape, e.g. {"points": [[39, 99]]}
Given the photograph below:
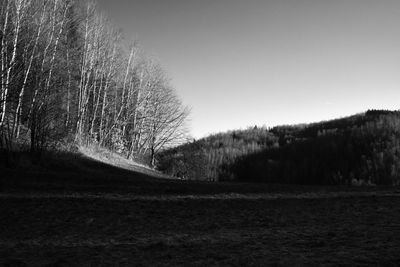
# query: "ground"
{"points": [[97, 215]]}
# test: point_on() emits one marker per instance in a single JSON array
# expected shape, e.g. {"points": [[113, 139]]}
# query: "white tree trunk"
{"points": [[19, 4], [18, 111]]}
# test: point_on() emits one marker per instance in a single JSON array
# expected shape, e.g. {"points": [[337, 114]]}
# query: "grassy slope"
{"points": [[82, 212]]}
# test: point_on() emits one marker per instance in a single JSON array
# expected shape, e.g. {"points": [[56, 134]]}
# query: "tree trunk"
{"points": [[18, 111]]}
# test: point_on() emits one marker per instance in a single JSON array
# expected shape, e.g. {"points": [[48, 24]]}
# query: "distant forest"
{"points": [[363, 149], [69, 75]]}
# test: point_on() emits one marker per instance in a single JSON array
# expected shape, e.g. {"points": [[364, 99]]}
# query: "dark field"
{"points": [[97, 215]]}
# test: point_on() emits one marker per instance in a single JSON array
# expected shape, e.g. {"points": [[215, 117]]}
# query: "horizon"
{"points": [[294, 124], [271, 62]]}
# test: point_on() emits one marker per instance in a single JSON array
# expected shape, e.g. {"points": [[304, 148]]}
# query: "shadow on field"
{"points": [[73, 172], [68, 210]]}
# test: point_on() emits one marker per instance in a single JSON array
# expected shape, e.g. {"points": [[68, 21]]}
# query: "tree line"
{"points": [[363, 149], [68, 72]]}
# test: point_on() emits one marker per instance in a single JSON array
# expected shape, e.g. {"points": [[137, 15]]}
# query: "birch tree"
{"points": [[27, 71], [68, 71], [15, 12]]}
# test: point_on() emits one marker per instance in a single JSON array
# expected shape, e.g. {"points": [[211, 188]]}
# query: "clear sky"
{"points": [[271, 62]]}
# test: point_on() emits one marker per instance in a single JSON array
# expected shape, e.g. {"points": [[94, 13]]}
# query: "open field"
{"points": [[97, 215]]}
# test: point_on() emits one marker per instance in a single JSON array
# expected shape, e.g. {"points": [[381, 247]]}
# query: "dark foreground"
{"points": [[126, 219]]}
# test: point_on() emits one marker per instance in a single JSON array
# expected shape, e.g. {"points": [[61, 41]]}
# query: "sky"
{"points": [[240, 63]]}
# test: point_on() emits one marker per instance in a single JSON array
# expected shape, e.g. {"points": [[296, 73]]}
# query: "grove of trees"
{"points": [[68, 72]]}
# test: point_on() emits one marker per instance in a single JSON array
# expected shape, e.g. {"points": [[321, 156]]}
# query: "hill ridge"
{"points": [[368, 141]]}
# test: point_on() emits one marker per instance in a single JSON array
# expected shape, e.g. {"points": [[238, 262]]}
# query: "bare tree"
{"points": [[66, 68]]}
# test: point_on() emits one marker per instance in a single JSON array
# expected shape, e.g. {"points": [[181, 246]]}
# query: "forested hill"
{"points": [[360, 149]]}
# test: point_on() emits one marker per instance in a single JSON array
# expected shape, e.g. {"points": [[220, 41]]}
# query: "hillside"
{"points": [[359, 149]]}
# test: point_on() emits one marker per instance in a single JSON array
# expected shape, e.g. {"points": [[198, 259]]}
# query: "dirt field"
{"points": [[126, 219]]}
